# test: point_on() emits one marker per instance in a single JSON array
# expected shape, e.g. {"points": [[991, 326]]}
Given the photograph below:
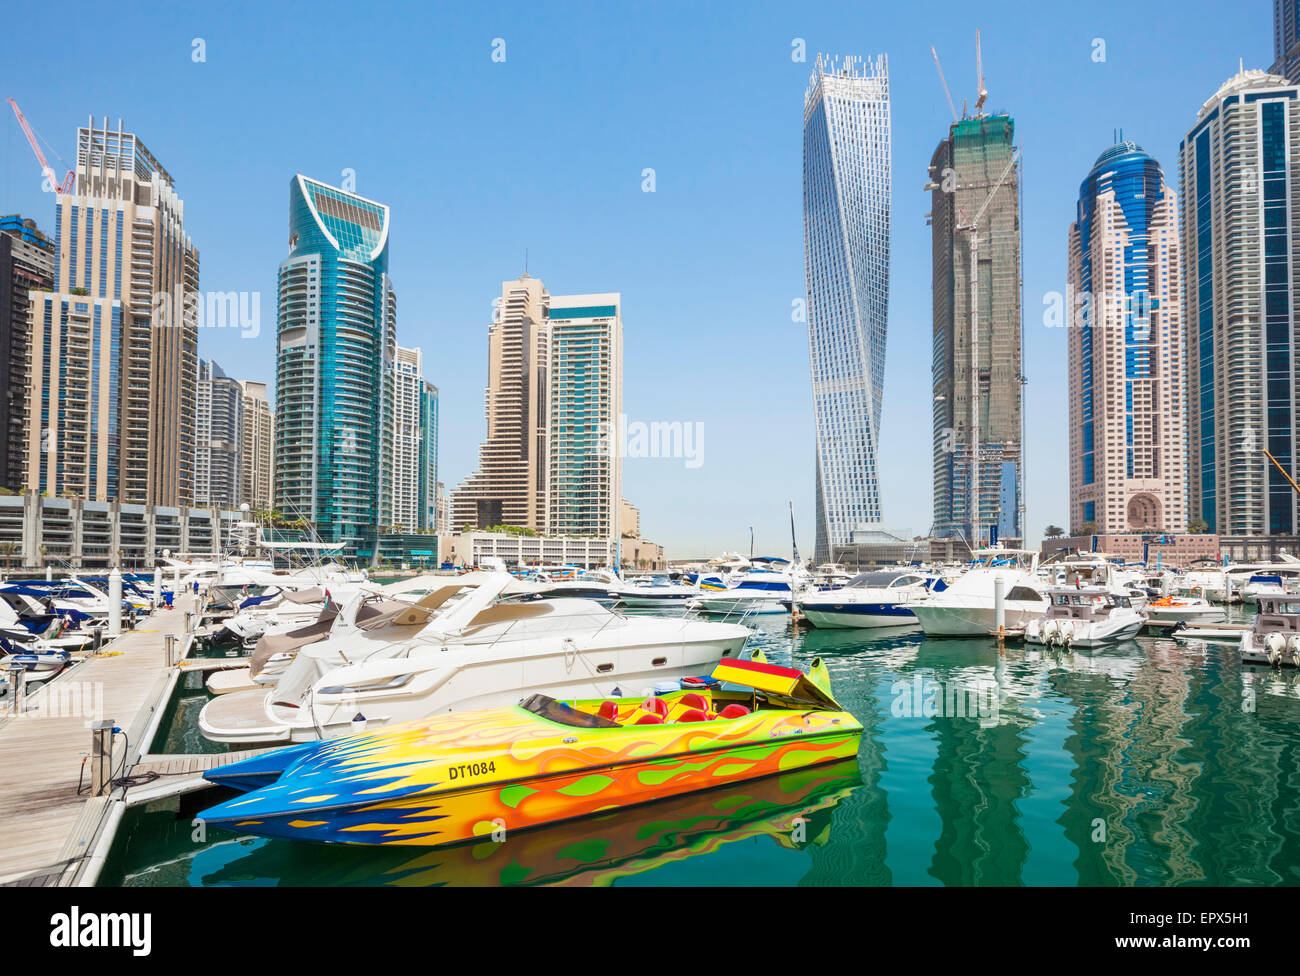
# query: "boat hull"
{"points": [[851, 616], [593, 781], [953, 621]]}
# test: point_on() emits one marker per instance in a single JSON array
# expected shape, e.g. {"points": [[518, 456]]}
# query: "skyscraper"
{"points": [[1128, 407], [509, 487], [256, 444], [429, 520], [971, 168], [403, 503], [26, 263], [114, 347], [1286, 39], [1238, 207], [219, 429], [846, 208], [585, 480], [337, 328]]}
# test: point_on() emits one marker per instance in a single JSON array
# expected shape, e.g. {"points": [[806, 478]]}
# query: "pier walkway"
{"points": [[49, 833]]}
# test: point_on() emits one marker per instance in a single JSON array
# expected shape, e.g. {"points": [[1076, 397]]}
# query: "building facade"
{"points": [[219, 432], [1127, 383], [974, 169], [1286, 39], [114, 346], [584, 468], [402, 508], [336, 344], [429, 484], [26, 265], [256, 448], [509, 487], [1238, 211], [846, 209]]}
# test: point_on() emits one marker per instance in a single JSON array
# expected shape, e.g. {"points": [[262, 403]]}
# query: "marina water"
{"points": [[1148, 763]]}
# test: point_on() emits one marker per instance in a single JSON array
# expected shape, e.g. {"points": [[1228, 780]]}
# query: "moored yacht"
{"points": [[1085, 618], [655, 591], [480, 654], [967, 607], [880, 599], [1275, 637]]}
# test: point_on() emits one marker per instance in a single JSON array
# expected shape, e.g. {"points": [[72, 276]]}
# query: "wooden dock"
{"points": [[53, 835]]}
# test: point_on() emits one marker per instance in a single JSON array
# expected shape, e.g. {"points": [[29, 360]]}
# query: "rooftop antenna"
{"points": [[979, 79], [943, 81]]}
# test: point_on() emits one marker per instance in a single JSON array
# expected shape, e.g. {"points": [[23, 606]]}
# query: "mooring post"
{"points": [[115, 603], [17, 686]]}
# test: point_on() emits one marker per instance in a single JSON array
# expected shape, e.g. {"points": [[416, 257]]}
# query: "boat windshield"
{"points": [[556, 711]]}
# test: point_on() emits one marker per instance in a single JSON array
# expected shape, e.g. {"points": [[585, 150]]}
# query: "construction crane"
{"points": [[1285, 475], [972, 228], [54, 184], [943, 81], [982, 92]]}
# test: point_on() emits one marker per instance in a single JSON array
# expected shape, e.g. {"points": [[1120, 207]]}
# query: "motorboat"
{"points": [[1171, 610], [654, 591], [591, 584], [1263, 585], [1081, 617], [480, 654], [967, 607], [450, 778], [880, 599], [768, 587], [1275, 636]]}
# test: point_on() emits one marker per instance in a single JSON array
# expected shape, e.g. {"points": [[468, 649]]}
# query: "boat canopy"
{"points": [[777, 680]]}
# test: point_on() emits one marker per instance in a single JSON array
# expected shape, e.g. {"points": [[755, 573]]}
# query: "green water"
{"points": [[1148, 763]]}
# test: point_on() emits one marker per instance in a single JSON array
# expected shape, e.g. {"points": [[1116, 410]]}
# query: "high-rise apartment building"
{"points": [[1238, 211], [846, 213], [402, 510], [1127, 385], [219, 430], [973, 169], [1286, 39], [114, 346], [429, 458], [337, 340], [256, 447], [509, 487], [26, 264], [584, 475]]}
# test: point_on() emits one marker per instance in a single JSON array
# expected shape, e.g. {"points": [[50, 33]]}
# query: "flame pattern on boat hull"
{"points": [[398, 786]]}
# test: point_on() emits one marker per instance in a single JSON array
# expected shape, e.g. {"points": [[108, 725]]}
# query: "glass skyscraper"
{"points": [[846, 208], [1238, 208], [337, 340]]}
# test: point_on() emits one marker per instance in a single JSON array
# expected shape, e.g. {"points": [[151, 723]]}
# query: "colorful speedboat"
{"points": [[468, 775]]}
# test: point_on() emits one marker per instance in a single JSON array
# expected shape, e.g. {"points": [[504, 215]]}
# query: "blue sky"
{"points": [[481, 160]]}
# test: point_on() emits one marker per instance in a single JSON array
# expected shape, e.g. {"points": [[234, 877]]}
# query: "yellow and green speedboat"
{"points": [[480, 774]]}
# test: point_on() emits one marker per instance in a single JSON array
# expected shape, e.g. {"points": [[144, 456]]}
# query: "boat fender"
{"points": [[358, 723]]}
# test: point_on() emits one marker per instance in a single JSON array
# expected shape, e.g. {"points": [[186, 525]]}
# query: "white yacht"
{"points": [[479, 654], [1264, 585], [655, 591], [966, 608], [1081, 617], [1171, 610], [880, 599], [761, 590]]}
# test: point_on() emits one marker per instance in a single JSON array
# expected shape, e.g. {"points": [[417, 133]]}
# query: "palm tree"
{"points": [[1198, 525], [1053, 532], [8, 549]]}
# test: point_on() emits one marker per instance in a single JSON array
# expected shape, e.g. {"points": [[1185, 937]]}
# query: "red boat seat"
{"points": [[656, 706], [695, 701], [608, 710], [694, 715], [733, 711], [649, 719]]}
